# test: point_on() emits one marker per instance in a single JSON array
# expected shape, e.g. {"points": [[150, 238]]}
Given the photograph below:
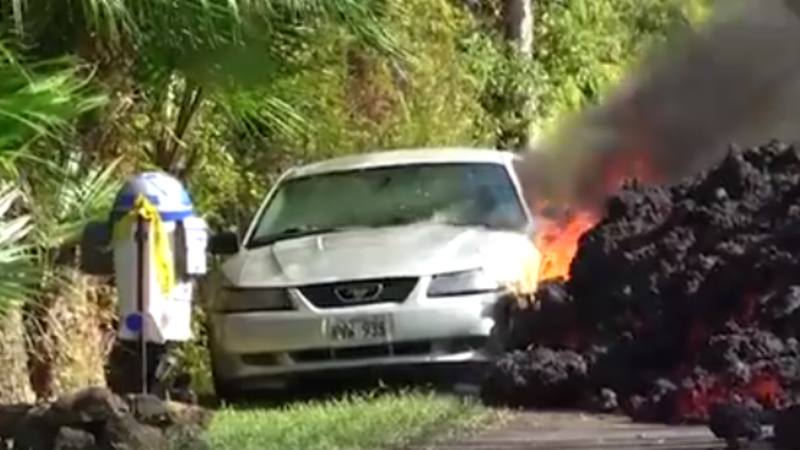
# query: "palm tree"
{"points": [[176, 56], [37, 103]]}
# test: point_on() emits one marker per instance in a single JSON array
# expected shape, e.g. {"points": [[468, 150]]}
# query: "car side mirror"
{"points": [[224, 243]]}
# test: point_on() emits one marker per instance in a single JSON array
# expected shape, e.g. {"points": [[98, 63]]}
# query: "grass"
{"points": [[378, 421]]}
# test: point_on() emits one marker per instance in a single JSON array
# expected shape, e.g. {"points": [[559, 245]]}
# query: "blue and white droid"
{"points": [[173, 254]]}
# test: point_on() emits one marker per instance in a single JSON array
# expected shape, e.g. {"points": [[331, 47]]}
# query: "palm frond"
{"points": [[39, 99], [18, 271], [66, 195], [211, 42], [224, 47], [255, 113]]}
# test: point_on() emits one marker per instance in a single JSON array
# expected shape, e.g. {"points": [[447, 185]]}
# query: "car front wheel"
{"points": [[228, 393]]}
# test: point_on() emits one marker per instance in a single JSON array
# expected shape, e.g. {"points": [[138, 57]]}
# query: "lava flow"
{"points": [[669, 301]]}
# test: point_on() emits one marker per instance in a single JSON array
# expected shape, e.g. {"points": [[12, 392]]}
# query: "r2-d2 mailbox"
{"points": [[159, 247]]}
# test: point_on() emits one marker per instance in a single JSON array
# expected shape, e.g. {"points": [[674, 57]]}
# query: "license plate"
{"points": [[372, 328]]}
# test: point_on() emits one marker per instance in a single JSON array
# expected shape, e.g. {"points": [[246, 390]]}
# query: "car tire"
{"points": [[225, 392], [228, 393]]}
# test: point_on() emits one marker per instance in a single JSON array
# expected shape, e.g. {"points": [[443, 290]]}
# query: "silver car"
{"points": [[383, 259]]}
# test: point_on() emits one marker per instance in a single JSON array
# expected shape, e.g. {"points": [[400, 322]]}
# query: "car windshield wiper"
{"points": [[291, 233]]}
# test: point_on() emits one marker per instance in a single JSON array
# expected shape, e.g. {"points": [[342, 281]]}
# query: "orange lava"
{"points": [[693, 404], [558, 242]]}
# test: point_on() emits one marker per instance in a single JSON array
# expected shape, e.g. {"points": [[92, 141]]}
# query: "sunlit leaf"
{"points": [[18, 271]]}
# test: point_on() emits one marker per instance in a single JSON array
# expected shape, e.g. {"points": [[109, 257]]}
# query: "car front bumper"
{"points": [[257, 349]]}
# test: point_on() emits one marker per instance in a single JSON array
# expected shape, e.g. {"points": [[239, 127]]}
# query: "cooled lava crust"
{"points": [[678, 299]]}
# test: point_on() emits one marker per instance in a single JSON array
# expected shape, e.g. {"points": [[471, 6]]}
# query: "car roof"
{"points": [[434, 155]]}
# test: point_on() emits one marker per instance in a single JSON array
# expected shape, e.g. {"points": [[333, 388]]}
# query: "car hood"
{"points": [[413, 250]]}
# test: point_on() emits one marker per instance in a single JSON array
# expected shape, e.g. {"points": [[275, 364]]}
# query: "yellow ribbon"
{"points": [[159, 242]]}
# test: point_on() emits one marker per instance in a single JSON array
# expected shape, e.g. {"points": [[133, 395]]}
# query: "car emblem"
{"points": [[359, 293]]}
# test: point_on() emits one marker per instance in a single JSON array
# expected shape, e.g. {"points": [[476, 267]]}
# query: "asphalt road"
{"points": [[575, 431]]}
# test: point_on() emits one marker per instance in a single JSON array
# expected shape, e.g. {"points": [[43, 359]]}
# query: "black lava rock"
{"points": [[735, 422], [694, 286], [545, 378]]}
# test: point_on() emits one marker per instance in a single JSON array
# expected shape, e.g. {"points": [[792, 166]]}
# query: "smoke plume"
{"points": [[735, 79]]}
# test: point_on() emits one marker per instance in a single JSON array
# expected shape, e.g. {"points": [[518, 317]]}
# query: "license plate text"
{"points": [[359, 329]]}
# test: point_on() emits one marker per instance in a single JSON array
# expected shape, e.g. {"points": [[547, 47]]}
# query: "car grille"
{"points": [[389, 349], [408, 348], [362, 292], [362, 352]]}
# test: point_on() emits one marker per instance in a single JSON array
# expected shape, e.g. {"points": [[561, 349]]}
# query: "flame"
{"points": [[558, 238], [558, 242], [524, 287]]}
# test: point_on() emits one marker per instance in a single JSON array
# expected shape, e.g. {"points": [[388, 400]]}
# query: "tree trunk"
{"points": [[66, 346], [517, 26], [80, 322], [15, 385]]}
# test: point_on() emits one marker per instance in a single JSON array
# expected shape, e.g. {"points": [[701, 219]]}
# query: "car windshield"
{"points": [[462, 194]]}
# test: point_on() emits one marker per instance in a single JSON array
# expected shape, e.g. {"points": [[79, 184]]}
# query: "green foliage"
{"points": [[355, 422], [437, 88], [360, 102], [584, 46], [37, 104], [508, 92], [207, 40], [363, 102], [38, 98], [194, 358], [173, 57], [67, 194]]}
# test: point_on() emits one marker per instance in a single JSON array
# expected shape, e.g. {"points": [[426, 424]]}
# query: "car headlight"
{"points": [[462, 283], [237, 300]]}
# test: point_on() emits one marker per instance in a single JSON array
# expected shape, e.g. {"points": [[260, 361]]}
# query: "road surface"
{"points": [[575, 431]]}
